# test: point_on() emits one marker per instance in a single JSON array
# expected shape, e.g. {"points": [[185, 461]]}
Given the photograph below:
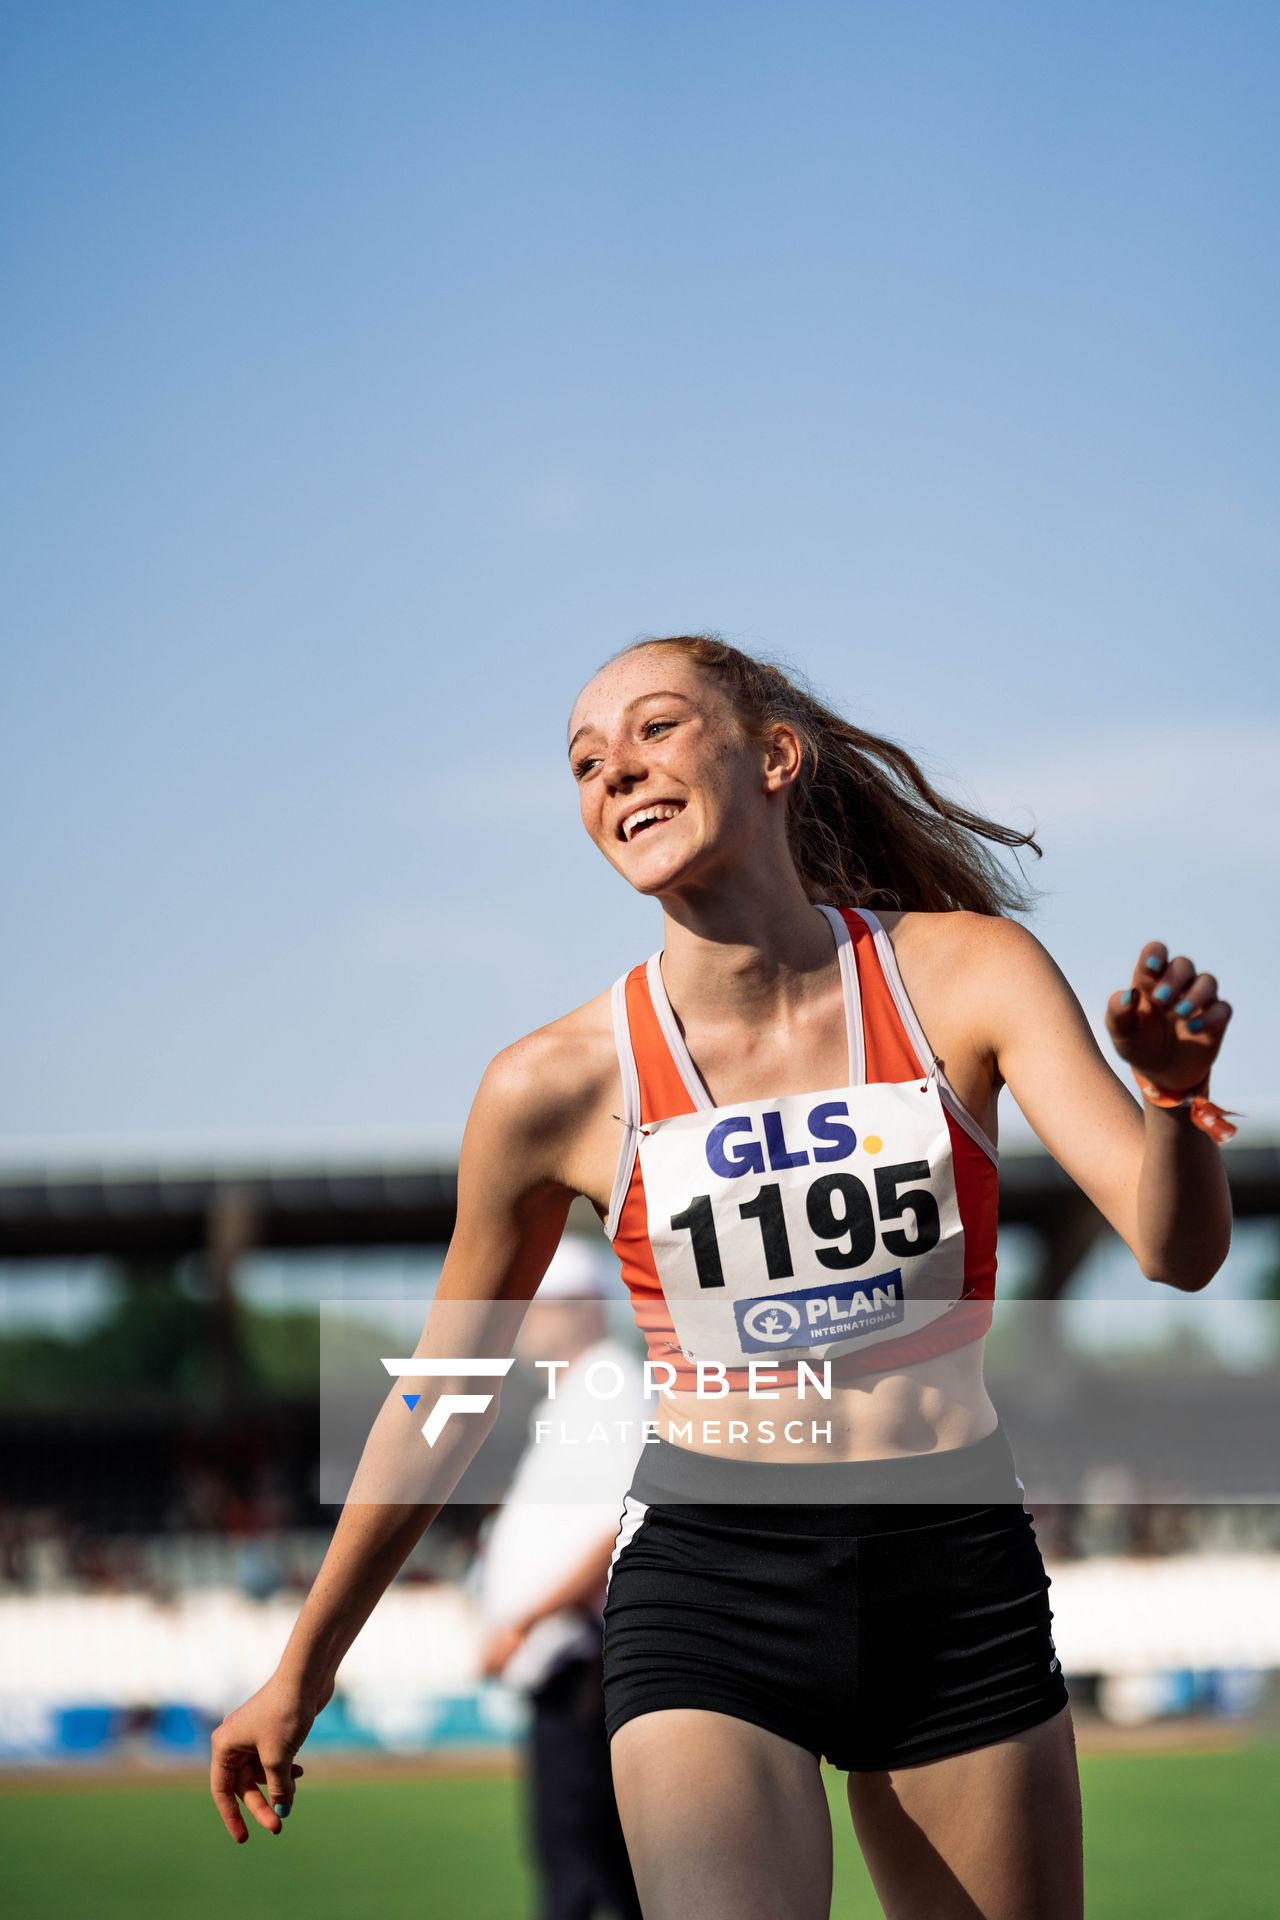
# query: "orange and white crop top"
{"points": [[855, 1224]]}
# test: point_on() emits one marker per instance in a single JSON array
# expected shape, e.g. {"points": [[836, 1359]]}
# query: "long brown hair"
{"points": [[865, 826]]}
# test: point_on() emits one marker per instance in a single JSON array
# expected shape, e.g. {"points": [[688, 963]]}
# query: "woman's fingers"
{"points": [[272, 1807], [1122, 1012], [1196, 997], [278, 1780], [1172, 983], [236, 1775], [222, 1785], [251, 1793], [278, 1794], [1168, 1022], [1175, 987], [1152, 962]]}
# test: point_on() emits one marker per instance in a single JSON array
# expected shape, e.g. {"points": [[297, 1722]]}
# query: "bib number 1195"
{"points": [[839, 1210]]}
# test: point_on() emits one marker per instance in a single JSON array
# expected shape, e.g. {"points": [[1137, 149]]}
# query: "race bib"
{"points": [[803, 1227]]}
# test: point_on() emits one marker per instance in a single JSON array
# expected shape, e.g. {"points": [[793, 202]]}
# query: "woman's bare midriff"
{"points": [[929, 1407], [935, 1405]]}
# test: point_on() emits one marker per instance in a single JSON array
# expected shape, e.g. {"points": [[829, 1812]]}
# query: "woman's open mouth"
{"points": [[647, 818]]}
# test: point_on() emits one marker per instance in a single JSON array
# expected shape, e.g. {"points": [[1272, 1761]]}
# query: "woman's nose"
{"points": [[623, 764]]}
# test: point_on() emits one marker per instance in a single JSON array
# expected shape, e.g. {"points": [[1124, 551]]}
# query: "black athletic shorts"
{"points": [[905, 1622]]}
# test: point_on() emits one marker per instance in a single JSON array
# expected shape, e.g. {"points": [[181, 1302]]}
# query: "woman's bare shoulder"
{"points": [[556, 1070], [958, 968], [522, 1147], [947, 940]]}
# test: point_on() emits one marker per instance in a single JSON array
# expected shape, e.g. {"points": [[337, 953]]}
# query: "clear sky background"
{"points": [[371, 371]]}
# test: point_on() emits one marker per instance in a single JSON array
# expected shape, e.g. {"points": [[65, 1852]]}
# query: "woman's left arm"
{"points": [[1151, 1172]]}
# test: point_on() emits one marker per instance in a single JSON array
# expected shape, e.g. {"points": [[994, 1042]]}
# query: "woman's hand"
{"points": [[255, 1745], [501, 1644], [1169, 1022]]}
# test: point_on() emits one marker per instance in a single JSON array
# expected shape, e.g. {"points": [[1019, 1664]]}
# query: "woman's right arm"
{"points": [[512, 1205]]}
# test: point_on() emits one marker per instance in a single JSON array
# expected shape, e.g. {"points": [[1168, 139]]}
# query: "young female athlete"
{"points": [[787, 1122]]}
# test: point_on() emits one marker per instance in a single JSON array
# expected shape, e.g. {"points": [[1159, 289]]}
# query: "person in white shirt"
{"points": [[540, 1580]]}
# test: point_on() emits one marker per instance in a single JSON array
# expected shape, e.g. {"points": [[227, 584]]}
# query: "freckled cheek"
{"points": [[712, 767], [593, 821]]}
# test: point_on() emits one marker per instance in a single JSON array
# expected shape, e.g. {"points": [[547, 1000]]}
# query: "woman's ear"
{"points": [[784, 758]]}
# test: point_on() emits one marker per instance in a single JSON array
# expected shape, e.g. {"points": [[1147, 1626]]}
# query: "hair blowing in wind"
{"points": [[865, 825]]}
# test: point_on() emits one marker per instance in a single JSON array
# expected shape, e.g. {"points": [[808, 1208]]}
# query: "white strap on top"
{"points": [[674, 1038], [916, 1035], [630, 1115], [852, 995], [693, 1081]]}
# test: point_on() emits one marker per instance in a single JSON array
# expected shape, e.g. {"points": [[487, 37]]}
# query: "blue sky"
{"points": [[371, 372]]}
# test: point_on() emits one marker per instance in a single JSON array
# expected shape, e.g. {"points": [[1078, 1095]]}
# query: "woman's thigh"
{"points": [[994, 1833], [723, 1819]]}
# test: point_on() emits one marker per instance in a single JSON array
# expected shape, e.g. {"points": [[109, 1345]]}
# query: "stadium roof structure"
{"points": [[226, 1205]]}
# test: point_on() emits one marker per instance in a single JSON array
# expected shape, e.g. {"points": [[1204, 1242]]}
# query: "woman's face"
{"points": [[651, 732]]}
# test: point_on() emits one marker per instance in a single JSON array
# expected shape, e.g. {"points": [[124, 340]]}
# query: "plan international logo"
{"points": [[772, 1322]]}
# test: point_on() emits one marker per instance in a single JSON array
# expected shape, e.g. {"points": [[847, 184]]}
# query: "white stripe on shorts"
{"points": [[633, 1513]]}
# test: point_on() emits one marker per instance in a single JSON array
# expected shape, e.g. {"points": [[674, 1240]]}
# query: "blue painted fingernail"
{"points": [[1163, 995], [1183, 1007], [1126, 998], [1152, 964], [1196, 1025], [282, 1808]]}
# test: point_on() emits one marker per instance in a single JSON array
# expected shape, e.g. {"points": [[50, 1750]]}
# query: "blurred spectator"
{"points": [[541, 1583]]}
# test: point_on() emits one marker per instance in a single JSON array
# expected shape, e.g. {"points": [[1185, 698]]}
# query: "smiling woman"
{"points": [[786, 1120]]}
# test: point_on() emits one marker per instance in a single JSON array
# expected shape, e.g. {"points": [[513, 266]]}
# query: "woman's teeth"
{"points": [[646, 816]]}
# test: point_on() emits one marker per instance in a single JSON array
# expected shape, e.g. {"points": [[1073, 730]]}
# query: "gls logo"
{"points": [[448, 1403], [731, 1158]]}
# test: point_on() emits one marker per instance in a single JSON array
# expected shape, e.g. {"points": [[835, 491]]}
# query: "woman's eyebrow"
{"points": [[659, 693]]}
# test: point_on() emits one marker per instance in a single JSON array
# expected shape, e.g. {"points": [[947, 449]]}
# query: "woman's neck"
{"points": [[755, 952]]}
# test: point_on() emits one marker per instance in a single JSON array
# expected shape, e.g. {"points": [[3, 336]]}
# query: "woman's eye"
{"points": [[583, 767]]}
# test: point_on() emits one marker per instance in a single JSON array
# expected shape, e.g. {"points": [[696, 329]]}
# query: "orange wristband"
{"points": [[1204, 1114]]}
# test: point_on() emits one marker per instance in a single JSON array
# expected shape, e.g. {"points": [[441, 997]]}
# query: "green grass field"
{"points": [[1185, 1837]]}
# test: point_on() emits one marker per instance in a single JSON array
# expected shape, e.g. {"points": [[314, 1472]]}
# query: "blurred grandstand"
{"points": [[159, 1512]]}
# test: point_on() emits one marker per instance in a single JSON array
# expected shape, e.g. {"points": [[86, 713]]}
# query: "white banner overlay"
{"points": [[1167, 1399]]}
